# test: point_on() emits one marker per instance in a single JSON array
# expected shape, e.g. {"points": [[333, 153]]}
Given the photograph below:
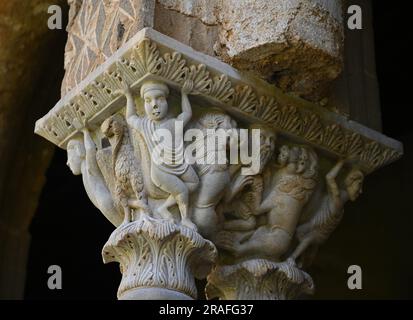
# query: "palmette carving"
{"points": [[145, 59]]}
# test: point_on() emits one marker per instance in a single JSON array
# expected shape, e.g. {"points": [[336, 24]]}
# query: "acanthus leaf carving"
{"points": [[334, 138], [354, 145], [173, 67], [313, 129], [221, 88], [146, 58], [200, 76], [267, 109], [289, 119], [245, 99]]}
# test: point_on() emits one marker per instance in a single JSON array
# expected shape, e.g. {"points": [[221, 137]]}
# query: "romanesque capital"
{"points": [[208, 172]]}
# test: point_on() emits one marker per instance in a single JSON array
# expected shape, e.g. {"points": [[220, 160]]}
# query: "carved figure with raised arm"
{"points": [[329, 213], [81, 158], [172, 174]]}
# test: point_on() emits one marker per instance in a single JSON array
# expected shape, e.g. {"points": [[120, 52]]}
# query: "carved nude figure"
{"points": [[293, 184], [245, 193], [330, 211], [81, 158], [214, 177], [129, 187], [174, 176]]}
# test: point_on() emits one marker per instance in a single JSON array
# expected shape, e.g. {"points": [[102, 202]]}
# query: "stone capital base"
{"points": [[153, 294], [258, 279], [158, 259]]}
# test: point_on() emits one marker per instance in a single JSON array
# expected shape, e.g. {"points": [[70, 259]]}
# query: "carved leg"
{"points": [[272, 243], [127, 216], [163, 209], [206, 220], [182, 201], [302, 246], [240, 224]]}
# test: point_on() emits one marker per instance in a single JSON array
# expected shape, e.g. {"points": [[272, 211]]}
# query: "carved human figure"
{"points": [[81, 158], [244, 195], [293, 185], [172, 174], [216, 128], [329, 213], [129, 190]]}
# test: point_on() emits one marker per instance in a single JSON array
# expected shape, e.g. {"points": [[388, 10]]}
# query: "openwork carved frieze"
{"points": [[200, 168]]}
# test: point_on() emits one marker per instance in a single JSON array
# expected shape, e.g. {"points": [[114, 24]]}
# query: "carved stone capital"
{"points": [[267, 224], [158, 259], [258, 279]]}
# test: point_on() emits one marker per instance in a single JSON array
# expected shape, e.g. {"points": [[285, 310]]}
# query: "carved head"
{"points": [[154, 94], [75, 156], [293, 156], [307, 164], [217, 123], [283, 155], [216, 119], [354, 183], [267, 143], [302, 162], [113, 126]]}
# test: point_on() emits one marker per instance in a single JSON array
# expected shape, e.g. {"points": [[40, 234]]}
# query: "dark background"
{"points": [[69, 231]]}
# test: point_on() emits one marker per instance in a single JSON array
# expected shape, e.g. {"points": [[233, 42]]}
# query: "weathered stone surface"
{"points": [[294, 44], [201, 34], [270, 38]]}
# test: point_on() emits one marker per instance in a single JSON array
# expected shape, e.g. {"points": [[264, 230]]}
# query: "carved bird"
{"points": [[126, 170]]}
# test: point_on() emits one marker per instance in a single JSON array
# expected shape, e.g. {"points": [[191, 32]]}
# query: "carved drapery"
{"points": [[265, 226]]}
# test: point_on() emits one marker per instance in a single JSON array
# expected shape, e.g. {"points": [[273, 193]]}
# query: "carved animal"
{"points": [[214, 177], [129, 186]]}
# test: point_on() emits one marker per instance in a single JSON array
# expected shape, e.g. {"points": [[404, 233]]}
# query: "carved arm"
{"points": [[186, 114]]}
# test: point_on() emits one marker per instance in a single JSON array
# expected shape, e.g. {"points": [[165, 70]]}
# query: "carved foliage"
{"points": [[145, 58], [154, 253], [258, 279]]}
